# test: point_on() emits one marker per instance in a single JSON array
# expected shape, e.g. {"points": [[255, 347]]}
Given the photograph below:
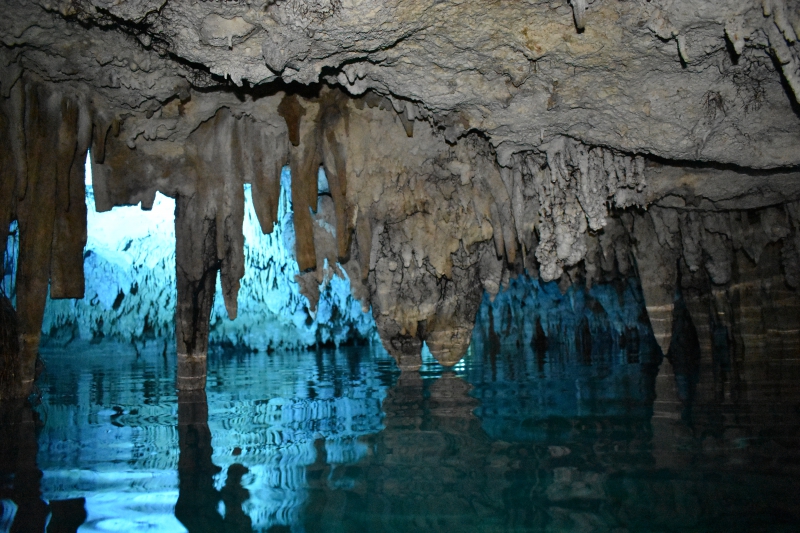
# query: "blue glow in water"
{"points": [[598, 356], [131, 295], [8, 283], [514, 439], [115, 441]]}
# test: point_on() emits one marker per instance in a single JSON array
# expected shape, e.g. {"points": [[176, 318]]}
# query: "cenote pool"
{"points": [[587, 430]]}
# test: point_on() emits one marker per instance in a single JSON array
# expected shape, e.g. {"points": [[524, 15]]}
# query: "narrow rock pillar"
{"points": [[196, 274], [657, 266], [36, 217], [47, 135]]}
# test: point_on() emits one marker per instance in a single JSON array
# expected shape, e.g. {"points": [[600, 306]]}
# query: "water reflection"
{"points": [[23, 508], [560, 419], [146, 459], [199, 500], [430, 467], [435, 468]]}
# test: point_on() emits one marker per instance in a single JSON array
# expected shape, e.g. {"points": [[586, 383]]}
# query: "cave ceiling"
{"points": [[686, 81]]}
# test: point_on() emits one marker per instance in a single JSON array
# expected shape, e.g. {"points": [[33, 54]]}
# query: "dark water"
{"points": [[561, 418]]}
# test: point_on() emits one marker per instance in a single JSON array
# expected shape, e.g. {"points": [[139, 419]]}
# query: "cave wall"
{"points": [[463, 143]]}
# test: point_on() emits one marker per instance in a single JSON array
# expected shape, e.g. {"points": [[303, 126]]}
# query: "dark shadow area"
{"points": [[23, 508]]}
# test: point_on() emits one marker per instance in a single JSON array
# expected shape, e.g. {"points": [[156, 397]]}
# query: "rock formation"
{"points": [[464, 143], [130, 292]]}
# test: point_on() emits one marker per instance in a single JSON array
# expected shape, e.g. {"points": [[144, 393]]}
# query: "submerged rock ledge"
{"points": [[464, 143]]}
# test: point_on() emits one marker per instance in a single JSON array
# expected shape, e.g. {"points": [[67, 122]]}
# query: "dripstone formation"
{"points": [[464, 143]]}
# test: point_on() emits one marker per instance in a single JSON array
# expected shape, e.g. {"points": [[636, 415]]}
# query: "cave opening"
{"points": [[129, 265]]}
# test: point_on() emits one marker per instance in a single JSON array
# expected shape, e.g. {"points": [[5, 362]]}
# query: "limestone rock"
{"points": [[463, 144]]}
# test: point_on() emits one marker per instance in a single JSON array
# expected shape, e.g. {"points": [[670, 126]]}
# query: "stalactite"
{"points": [[51, 211], [562, 222], [364, 234], [790, 253], [608, 253], [579, 12], [13, 173], [573, 185], [334, 122], [220, 148], [654, 246], [524, 209], [35, 214], [784, 42], [717, 247], [292, 111], [69, 235], [448, 331], [304, 162], [319, 143], [270, 153], [753, 231], [424, 208], [421, 224]]}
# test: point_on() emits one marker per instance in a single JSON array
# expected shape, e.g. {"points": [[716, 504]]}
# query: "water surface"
{"points": [[547, 435]]}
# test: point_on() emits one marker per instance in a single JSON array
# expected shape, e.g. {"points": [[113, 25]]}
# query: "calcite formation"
{"points": [[464, 143]]}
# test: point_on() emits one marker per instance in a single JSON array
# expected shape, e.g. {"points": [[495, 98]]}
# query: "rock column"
{"points": [[197, 266], [48, 135]]}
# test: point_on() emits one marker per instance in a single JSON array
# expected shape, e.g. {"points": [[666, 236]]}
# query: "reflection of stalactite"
{"points": [[428, 466], [18, 468], [198, 498], [196, 507], [9, 344], [552, 347]]}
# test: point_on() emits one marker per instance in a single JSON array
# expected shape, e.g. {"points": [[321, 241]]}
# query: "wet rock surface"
{"points": [[463, 144]]}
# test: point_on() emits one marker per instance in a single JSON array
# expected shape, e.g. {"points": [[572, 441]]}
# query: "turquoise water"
{"points": [[584, 430]]}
